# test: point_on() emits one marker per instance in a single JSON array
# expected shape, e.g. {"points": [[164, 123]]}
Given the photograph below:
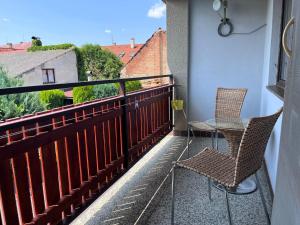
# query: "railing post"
{"points": [[124, 124], [171, 99]]}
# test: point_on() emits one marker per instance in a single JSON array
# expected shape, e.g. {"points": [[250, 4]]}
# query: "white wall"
{"points": [[269, 102], [65, 68], [235, 61]]}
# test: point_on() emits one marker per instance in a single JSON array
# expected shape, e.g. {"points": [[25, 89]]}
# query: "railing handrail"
{"points": [[26, 89]]}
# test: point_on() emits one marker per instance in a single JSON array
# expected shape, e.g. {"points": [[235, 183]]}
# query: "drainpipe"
{"points": [[160, 52]]}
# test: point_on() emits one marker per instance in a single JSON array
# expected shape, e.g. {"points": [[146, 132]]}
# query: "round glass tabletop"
{"points": [[228, 123]]}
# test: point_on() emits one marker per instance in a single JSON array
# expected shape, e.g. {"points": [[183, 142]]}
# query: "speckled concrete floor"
{"points": [[127, 201]]}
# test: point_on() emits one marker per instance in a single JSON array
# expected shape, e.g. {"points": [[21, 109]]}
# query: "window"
{"points": [[283, 58], [48, 76]]}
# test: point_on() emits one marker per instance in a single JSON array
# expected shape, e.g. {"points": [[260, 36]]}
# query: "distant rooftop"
{"points": [[125, 51], [18, 47]]}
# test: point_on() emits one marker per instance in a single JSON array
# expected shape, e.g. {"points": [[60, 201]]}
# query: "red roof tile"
{"points": [[20, 47], [124, 52]]}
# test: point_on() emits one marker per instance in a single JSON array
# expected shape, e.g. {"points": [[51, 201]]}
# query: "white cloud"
{"points": [[107, 31], [157, 11], [5, 19]]}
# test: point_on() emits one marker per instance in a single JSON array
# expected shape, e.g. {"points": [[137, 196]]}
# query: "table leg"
{"points": [[233, 138]]}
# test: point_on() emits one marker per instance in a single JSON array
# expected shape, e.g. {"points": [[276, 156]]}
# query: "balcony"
{"points": [[109, 161]]}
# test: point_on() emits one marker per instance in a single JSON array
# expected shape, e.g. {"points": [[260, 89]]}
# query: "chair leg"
{"points": [[192, 133], [212, 140], [228, 207], [209, 188], [263, 199], [188, 142], [191, 138], [173, 196], [217, 140]]}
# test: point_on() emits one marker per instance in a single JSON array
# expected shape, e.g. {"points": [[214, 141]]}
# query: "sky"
{"points": [[80, 22]]}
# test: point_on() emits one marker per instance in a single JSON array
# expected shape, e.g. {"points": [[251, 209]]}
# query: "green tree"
{"points": [[52, 98], [103, 64], [36, 42], [15, 105]]}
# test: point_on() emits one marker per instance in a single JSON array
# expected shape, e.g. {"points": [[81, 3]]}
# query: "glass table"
{"points": [[233, 129]]}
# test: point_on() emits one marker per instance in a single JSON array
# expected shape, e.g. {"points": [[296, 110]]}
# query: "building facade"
{"points": [[150, 59], [41, 67]]}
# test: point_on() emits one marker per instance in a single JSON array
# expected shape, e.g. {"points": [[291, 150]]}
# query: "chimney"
{"points": [[10, 45], [132, 43]]}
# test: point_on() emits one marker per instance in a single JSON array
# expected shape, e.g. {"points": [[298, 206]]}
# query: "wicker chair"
{"points": [[228, 171], [229, 102]]}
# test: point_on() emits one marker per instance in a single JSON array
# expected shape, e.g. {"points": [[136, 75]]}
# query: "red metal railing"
{"points": [[54, 162]]}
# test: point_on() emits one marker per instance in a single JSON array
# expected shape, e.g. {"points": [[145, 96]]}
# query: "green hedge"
{"points": [[89, 93], [83, 94], [105, 90], [50, 47], [131, 86], [52, 98]]}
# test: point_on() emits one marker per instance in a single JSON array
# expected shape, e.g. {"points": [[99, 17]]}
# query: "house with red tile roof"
{"points": [[149, 59], [14, 48], [124, 52]]}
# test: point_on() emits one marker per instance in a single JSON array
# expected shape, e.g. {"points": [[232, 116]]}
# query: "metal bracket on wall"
{"points": [[225, 28]]}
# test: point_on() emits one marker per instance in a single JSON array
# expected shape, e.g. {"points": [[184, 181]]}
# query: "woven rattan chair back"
{"points": [[229, 102], [252, 148]]}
